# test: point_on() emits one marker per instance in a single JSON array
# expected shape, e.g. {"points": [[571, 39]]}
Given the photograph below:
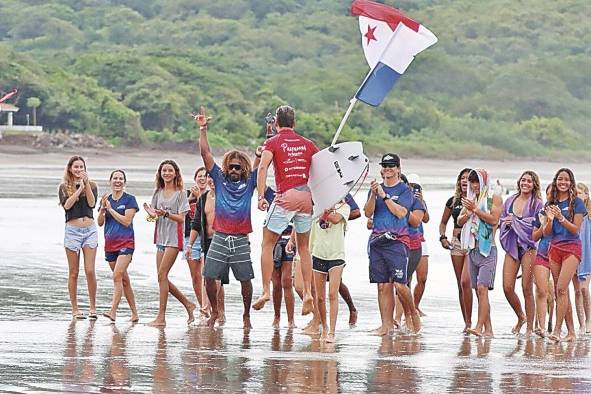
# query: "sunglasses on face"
{"points": [[236, 167], [388, 166]]}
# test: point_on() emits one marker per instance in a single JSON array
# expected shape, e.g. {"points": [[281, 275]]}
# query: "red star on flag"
{"points": [[370, 34]]}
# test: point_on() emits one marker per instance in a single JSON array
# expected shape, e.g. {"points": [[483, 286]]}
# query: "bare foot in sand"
{"points": [[381, 331], [212, 318], [134, 318], [204, 311], [528, 333], [475, 331], [467, 327], [488, 334], [190, 310], [554, 337], [330, 338], [520, 322], [323, 335], [157, 323], [291, 325], [246, 321], [540, 332], [421, 313], [260, 303], [312, 329], [570, 337], [276, 321], [307, 306], [352, 318], [416, 323]]}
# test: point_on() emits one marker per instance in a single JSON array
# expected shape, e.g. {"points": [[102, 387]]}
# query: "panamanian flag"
{"points": [[390, 41]]}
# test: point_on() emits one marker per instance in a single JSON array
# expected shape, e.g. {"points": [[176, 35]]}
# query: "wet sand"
{"points": [[43, 351]]}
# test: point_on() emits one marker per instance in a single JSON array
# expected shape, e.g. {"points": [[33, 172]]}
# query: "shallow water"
{"points": [[41, 350]]}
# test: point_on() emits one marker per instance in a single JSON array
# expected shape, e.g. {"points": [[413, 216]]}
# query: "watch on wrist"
{"points": [[386, 197], [166, 214]]}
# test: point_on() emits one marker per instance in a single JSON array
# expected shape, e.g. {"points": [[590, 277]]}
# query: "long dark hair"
{"points": [[178, 179], [244, 163], [536, 191], [572, 191], [458, 192]]}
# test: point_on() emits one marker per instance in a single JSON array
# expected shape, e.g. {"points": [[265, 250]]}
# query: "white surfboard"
{"points": [[334, 172]]}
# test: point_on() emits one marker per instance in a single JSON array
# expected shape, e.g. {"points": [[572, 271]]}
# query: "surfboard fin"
{"points": [[348, 183], [353, 157], [333, 148]]}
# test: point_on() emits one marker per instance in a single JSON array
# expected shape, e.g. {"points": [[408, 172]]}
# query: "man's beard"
{"points": [[234, 177]]}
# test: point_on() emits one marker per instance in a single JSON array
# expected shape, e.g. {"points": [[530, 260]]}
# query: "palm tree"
{"points": [[34, 102]]}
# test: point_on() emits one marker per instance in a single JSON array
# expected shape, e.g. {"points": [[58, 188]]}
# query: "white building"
{"points": [[10, 109]]}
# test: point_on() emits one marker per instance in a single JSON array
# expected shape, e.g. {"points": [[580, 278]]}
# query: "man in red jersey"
{"points": [[291, 155]]}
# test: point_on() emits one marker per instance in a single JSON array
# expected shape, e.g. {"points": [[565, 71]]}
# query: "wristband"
{"points": [[442, 238], [166, 214], [203, 128]]}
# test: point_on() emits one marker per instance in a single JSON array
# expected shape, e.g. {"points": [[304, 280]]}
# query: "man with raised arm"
{"points": [[235, 183], [291, 155]]}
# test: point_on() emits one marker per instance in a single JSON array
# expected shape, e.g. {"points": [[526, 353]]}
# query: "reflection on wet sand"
{"points": [[162, 375], [391, 373], [78, 372], [471, 377], [300, 375], [117, 377]]}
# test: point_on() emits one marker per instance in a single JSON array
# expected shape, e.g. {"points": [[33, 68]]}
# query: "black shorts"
{"points": [[228, 251], [324, 266], [111, 257], [280, 255]]}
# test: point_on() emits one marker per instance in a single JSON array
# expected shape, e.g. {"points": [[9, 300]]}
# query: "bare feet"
{"points": [[308, 306], [381, 331], [212, 318], [330, 338], [222, 319], [78, 315], [421, 313], [520, 322], [157, 323], [488, 334], [204, 311], [474, 331], [540, 332], [260, 303], [134, 318], [352, 318], [416, 323], [570, 337], [190, 310], [276, 322], [528, 333], [467, 327], [323, 335], [246, 321], [554, 337], [291, 325], [312, 329]]}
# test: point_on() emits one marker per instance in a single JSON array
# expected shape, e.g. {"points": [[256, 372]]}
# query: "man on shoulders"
{"points": [[291, 155]]}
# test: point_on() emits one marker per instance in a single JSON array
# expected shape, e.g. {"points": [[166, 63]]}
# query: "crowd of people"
{"points": [[546, 238]]}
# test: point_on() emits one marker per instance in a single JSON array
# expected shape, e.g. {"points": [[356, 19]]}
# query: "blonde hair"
{"points": [[178, 179], [585, 189], [68, 184]]}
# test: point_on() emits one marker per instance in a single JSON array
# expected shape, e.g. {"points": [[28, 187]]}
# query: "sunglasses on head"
{"points": [[236, 167], [388, 166]]}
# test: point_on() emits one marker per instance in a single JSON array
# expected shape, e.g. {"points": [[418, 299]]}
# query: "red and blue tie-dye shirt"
{"points": [[416, 233], [232, 202], [118, 236]]}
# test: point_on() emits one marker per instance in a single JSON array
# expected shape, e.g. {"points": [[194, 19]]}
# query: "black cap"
{"points": [[390, 158]]}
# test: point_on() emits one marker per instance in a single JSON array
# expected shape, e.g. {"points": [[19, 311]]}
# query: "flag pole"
{"points": [[352, 103]]}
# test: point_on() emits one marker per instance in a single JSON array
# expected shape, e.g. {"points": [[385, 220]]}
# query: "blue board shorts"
{"points": [[388, 261], [75, 238]]}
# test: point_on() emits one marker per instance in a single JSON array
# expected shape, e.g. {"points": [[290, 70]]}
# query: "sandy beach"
{"points": [[43, 351]]}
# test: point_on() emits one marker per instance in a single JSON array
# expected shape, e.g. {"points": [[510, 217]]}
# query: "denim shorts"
{"points": [[195, 251], [278, 219], [75, 238], [111, 257]]}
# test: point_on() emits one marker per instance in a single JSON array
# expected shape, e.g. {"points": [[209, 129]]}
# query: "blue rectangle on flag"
{"points": [[377, 85]]}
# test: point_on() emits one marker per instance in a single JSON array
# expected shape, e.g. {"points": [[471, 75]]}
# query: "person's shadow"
{"points": [[117, 376]]}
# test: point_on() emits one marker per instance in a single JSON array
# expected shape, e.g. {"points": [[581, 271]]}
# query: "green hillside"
{"points": [[507, 78]]}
